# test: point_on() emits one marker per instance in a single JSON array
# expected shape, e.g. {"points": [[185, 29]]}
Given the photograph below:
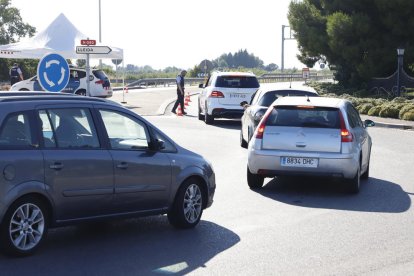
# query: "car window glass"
{"points": [[255, 97], [68, 128], [124, 132], [292, 116], [237, 82], [100, 74], [353, 122], [15, 131], [81, 74], [354, 113]]}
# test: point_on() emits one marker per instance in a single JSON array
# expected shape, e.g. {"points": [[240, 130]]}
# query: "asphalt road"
{"points": [[290, 227]]}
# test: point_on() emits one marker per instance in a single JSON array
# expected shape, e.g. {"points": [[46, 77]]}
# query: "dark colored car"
{"points": [[261, 100], [68, 159]]}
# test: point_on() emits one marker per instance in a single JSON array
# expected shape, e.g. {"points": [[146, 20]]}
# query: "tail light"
{"points": [[99, 82], [261, 127], [216, 94], [346, 135]]}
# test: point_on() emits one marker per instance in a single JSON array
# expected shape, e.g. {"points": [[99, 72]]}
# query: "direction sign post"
{"points": [[87, 49], [93, 50]]}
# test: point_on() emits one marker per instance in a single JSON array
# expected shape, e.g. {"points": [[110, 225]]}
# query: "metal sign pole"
{"points": [[87, 76]]}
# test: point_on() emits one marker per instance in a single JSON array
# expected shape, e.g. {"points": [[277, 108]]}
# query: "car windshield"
{"points": [[237, 82], [297, 116], [269, 97]]}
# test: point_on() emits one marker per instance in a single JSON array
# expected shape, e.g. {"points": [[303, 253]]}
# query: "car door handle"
{"points": [[123, 166], [56, 166]]}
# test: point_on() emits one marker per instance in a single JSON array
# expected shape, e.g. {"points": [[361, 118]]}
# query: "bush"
{"points": [[374, 111], [399, 100], [408, 115], [405, 109], [390, 111], [364, 108]]}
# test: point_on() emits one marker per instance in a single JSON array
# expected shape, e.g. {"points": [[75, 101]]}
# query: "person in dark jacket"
{"points": [[16, 74], [180, 92]]}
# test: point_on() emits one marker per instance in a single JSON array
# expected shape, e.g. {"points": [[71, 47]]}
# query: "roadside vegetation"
{"points": [[372, 105]]}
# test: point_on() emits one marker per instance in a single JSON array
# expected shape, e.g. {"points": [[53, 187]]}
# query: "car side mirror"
{"points": [[369, 123], [201, 85], [243, 103], [159, 144]]}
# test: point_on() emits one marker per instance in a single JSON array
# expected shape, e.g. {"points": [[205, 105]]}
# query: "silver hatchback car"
{"points": [[311, 136], [66, 159]]}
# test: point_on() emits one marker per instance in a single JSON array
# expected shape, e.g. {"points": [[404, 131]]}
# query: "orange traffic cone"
{"points": [[179, 111], [188, 98], [186, 101]]}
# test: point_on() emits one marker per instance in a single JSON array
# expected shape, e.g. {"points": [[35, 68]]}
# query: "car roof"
{"points": [[311, 101], [243, 74], [265, 87], [36, 96]]}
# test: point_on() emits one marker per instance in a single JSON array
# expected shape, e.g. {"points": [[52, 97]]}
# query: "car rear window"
{"points": [[269, 97], [297, 116], [100, 74], [237, 82]]}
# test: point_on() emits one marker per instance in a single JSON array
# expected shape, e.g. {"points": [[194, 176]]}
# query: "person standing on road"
{"points": [[16, 74], [180, 92]]}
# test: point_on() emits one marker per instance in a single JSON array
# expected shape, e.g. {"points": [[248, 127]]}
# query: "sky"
{"points": [[180, 33]]}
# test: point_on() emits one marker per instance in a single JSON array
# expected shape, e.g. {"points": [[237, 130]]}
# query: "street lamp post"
{"points": [[400, 55]]}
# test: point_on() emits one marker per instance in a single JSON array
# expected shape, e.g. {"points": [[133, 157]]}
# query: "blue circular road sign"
{"points": [[53, 73]]}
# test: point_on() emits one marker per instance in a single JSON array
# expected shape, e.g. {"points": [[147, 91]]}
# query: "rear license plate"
{"points": [[301, 162], [237, 96]]}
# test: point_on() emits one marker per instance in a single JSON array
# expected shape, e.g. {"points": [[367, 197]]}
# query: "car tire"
{"points": [[81, 92], [200, 116], [254, 181], [208, 119], [24, 227], [187, 208], [354, 184], [243, 142]]}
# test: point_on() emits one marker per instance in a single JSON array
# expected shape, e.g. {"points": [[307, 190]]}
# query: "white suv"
{"points": [[222, 94], [100, 86]]}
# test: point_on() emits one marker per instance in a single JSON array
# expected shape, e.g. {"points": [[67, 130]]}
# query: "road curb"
{"points": [[395, 126]]}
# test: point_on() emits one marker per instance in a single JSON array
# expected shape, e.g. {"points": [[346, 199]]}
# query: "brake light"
{"points": [[346, 136], [99, 82], [216, 94], [261, 127]]}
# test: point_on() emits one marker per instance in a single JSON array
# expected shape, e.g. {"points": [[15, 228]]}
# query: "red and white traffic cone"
{"points": [[186, 101], [188, 98], [179, 111]]}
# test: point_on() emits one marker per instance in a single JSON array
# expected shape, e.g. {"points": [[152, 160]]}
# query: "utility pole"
{"points": [[282, 66], [100, 33]]}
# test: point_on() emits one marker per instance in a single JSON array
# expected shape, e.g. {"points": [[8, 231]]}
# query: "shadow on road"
{"points": [[227, 123], [376, 195], [130, 247]]}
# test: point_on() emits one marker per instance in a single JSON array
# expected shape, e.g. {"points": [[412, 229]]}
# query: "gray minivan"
{"points": [[67, 159]]}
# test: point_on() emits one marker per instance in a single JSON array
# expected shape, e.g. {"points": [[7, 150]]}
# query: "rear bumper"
{"points": [[267, 163]]}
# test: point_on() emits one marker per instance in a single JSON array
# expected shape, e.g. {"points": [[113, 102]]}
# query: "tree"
{"points": [[12, 29], [358, 37]]}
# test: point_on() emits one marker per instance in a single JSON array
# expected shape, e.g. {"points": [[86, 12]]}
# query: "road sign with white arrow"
{"points": [[93, 50], [53, 72]]}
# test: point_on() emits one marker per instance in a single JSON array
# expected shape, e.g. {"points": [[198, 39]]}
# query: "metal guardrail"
{"points": [[266, 78]]}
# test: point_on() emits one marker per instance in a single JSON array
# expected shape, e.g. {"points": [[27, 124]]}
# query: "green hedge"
{"points": [[398, 108]]}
